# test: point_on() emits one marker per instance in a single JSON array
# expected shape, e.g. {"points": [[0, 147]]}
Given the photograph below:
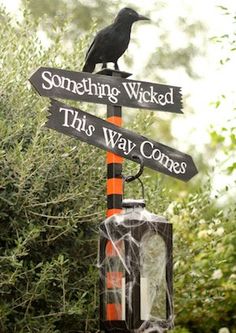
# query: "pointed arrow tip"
{"points": [[34, 79]]}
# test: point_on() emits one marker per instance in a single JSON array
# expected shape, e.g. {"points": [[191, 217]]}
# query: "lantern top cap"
{"points": [[133, 203]]}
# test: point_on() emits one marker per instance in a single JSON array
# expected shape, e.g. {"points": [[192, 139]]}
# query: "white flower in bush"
{"points": [[219, 231], [170, 208], [202, 221], [217, 274], [224, 330], [202, 234]]}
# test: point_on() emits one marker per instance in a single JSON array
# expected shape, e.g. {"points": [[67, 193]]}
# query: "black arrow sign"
{"points": [[94, 88], [100, 133]]}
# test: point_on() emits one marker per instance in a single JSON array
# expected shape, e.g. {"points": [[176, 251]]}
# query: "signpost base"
{"points": [[113, 72]]}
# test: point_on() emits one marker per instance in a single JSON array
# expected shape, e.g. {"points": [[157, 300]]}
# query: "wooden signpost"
{"points": [[109, 90], [112, 88], [125, 143]]}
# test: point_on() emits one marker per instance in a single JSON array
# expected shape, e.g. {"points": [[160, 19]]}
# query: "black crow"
{"points": [[111, 42]]}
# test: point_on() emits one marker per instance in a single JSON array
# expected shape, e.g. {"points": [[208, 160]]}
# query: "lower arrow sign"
{"points": [[100, 133]]}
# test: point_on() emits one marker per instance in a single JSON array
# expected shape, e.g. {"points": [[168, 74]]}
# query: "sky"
{"points": [[200, 93]]}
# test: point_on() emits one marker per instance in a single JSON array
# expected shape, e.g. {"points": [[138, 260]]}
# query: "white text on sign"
{"points": [[115, 140], [86, 86]]}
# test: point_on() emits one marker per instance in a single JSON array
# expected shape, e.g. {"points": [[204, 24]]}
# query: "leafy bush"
{"points": [[205, 270], [180, 330], [51, 198]]}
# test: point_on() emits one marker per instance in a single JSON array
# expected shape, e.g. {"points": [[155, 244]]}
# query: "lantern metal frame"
{"points": [[133, 318]]}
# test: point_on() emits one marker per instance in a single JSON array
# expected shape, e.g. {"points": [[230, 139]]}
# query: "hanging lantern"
{"points": [[135, 271]]}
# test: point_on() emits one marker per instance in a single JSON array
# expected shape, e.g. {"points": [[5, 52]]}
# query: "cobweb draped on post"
{"points": [[135, 263]]}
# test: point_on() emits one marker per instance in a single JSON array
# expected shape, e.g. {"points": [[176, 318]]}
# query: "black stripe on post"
{"points": [[114, 170], [114, 111], [113, 201]]}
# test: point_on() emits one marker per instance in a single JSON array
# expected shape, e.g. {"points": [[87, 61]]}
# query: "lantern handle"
{"points": [[129, 179], [139, 159]]}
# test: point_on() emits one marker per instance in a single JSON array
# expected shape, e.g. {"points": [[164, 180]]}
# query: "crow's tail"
{"points": [[88, 67]]}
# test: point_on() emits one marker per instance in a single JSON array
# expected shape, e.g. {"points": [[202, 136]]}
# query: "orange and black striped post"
{"points": [[114, 205], [114, 168], [114, 162]]}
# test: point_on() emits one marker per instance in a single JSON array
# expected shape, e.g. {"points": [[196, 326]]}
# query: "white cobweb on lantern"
{"points": [[135, 263]]}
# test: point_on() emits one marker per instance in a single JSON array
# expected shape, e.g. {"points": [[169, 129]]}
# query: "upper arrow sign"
{"points": [[125, 143], [95, 88]]}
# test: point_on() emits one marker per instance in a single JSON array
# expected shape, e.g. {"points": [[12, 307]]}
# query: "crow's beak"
{"points": [[141, 17]]}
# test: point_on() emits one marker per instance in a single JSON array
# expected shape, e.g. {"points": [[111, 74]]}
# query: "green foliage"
{"points": [[81, 15], [51, 198], [225, 137], [205, 258], [180, 330]]}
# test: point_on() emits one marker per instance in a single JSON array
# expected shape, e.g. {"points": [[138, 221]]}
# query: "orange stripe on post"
{"points": [[114, 186], [114, 311], [114, 280], [113, 211], [113, 158], [111, 250], [115, 120]]}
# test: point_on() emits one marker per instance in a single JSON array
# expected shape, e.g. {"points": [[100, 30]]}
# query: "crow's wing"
{"points": [[99, 45]]}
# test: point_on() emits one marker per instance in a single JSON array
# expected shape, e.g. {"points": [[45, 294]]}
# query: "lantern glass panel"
{"points": [[114, 305], [153, 257]]}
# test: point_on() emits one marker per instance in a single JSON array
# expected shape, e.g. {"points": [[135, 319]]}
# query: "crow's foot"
{"points": [[116, 66]]}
